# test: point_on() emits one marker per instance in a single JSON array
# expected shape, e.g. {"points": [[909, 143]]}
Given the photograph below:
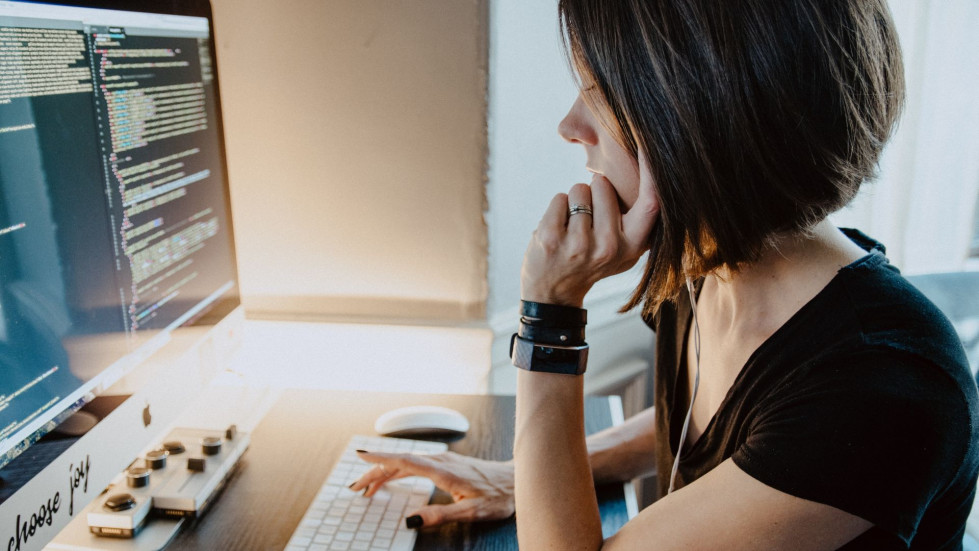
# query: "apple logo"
{"points": [[147, 418]]}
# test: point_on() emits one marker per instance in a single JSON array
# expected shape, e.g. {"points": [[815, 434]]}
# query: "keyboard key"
{"points": [[405, 539]]}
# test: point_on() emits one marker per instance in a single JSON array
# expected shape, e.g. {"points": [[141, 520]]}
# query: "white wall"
{"points": [[530, 90], [356, 141], [529, 162]]}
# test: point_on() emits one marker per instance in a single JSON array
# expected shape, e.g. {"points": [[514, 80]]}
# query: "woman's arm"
{"points": [[555, 494], [626, 451], [483, 490], [725, 509], [728, 509], [555, 498]]}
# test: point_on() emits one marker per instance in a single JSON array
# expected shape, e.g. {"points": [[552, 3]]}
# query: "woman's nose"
{"points": [[578, 125]]}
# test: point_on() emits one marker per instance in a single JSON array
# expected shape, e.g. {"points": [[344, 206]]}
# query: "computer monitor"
{"points": [[117, 259]]}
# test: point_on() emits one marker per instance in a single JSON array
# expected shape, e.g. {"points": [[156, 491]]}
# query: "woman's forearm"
{"points": [[625, 451], [555, 495]]}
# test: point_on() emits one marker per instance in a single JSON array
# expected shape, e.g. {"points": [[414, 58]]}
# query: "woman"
{"points": [[814, 398]]}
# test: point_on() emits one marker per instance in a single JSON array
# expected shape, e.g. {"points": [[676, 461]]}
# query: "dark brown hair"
{"points": [[757, 117]]}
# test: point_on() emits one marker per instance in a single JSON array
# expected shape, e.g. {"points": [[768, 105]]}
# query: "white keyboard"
{"points": [[339, 518]]}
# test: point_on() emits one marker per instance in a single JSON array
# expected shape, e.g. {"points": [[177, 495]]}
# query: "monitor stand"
{"points": [[34, 459], [77, 424]]}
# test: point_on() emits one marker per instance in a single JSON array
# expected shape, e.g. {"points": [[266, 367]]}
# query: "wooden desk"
{"points": [[300, 438]]}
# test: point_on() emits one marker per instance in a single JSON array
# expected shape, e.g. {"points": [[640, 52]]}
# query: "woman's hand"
{"points": [[569, 253], [480, 489]]}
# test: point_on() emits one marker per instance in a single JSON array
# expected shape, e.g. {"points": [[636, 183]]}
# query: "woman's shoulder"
{"points": [[870, 335], [888, 312]]}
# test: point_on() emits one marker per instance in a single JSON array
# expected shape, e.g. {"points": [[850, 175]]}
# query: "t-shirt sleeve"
{"points": [[877, 434]]}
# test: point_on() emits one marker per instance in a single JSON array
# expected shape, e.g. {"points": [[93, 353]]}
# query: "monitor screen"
{"points": [[115, 224]]}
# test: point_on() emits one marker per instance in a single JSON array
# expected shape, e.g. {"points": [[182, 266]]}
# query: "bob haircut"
{"points": [[758, 118]]}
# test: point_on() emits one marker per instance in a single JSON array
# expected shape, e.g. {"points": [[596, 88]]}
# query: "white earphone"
{"points": [[696, 384]]}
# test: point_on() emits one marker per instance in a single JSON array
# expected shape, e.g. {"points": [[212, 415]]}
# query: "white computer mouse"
{"points": [[422, 421]]}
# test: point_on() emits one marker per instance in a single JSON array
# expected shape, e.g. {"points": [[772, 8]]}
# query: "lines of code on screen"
{"points": [[113, 206], [40, 62], [153, 106]]}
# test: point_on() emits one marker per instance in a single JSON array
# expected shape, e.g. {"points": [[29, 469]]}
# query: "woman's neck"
{"points": [[763, 295]]}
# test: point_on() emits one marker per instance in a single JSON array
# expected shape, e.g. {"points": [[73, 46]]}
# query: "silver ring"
{"points": [[578, 208]]}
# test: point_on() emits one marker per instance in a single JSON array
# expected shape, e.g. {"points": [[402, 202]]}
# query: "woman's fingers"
{"points": [[467, 510], [480, 489], [639, 221], [608, 219], [583, 238], [375, 477], [391, 466], [579, 225], [555, 217], [386, 467], [434, 515]]}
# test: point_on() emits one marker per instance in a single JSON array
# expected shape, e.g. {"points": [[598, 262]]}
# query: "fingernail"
{"points": [[362, 451], [414, 521], [352, 485]]}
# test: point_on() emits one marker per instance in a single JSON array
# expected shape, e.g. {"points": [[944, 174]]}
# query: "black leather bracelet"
{"points": [[553, 315], [561, 336]]}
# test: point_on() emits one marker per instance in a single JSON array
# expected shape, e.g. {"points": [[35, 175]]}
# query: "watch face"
{"points": [[548, 359]]}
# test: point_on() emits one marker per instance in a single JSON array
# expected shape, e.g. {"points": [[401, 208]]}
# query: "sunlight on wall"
{"points": [[356, 136], [383, 358]]}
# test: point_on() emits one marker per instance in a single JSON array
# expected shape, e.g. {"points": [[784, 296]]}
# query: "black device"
{"points": [[548, 358]]}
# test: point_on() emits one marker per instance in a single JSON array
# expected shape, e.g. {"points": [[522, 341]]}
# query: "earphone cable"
{"points": [[696, 385]]}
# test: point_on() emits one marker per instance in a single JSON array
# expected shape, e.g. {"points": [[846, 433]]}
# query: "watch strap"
{"points": [[554, 315], [558, 336]]}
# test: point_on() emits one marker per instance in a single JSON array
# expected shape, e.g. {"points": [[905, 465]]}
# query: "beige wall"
{"points": [[356, 136]]}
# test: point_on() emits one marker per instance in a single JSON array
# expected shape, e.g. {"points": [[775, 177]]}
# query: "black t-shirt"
{"points": [[863, 400]]}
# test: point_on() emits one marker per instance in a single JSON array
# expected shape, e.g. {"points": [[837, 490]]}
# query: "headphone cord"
{"points": [[696, 384]]}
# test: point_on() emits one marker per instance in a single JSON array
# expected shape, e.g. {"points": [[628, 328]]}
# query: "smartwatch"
{"points": [[548, 358]]}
